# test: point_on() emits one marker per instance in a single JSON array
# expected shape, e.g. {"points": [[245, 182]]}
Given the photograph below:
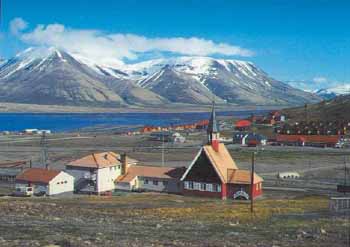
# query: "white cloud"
{"points": [[106, 47], [17, 25], [320, 79]]}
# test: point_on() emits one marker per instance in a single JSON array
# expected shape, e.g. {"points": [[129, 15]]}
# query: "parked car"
{"points": [[24, 191], [339, 145]]}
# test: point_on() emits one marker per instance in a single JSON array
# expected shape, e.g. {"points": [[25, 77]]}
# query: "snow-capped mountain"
{"points": [[52, 76], [232, 81], [330, 93]]}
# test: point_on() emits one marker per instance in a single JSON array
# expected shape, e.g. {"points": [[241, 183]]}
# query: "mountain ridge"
{"points": [[53, 76]]}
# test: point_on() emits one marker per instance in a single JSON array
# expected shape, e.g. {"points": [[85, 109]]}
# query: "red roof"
{"points": [[243, 123], [37, 175], [330, 139]]}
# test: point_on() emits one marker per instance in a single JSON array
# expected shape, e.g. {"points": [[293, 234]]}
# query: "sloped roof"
{"points": [[221, 160], [225, 166], [37, 175], [150, 171], [100, 160], [242, 177]]}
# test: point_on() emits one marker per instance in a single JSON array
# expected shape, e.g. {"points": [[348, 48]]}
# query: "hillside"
{"points": [[331, 110]]}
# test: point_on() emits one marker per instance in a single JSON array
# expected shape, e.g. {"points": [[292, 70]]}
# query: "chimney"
{"points": [[215, 145], [123, 163]]}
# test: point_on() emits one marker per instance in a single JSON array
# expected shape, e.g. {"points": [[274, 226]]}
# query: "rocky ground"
{"points": [[169, 220]]}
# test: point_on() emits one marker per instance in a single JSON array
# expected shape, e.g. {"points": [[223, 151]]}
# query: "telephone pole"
{"points": [[252, 184], [44, 155], [163, 158]]}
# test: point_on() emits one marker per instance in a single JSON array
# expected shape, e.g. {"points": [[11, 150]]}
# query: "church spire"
{"points": [[213, 128]]}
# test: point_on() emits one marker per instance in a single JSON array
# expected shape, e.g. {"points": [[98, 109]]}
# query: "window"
{"points": [[196, 185], [165, 183], [119, 167], [110, 168], [65, 182], [190, 185], [186, 185], [209, 187], [58, 182], [203, 186], [155, 182], [216, 188], [146, 181]]}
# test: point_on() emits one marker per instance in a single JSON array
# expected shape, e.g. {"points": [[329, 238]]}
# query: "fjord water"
{"points": [[61, 122]]}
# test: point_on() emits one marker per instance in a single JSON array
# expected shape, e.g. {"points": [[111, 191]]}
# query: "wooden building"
{"points": [[213, 172]]}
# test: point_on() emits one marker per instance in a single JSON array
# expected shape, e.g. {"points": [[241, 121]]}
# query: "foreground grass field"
{"points": [[168, 220]]}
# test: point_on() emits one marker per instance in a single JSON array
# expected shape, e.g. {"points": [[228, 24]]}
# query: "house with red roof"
{"points": [[214, 173], [45, 181]]}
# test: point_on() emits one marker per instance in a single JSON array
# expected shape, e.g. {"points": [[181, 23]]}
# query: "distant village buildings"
{"points": [[212, 173]]}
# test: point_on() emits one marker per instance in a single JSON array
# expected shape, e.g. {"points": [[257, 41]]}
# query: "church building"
{"points": [[213, 172]]}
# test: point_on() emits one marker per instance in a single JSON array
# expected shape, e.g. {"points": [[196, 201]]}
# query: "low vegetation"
{"points": [[162, 220]]}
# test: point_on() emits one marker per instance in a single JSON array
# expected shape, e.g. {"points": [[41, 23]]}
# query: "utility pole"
{"points": [[252, 184], [306, 114], [345, 177], [43, 145], [163, 148]]}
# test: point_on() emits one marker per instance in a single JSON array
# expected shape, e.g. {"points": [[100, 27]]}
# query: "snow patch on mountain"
{"points": [[329, 93]]}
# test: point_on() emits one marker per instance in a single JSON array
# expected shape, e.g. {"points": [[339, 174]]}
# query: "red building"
{"points": [[243, 125], [213, 172], [309, 140]]}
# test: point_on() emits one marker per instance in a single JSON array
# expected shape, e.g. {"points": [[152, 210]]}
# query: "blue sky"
{"points": [[291, 40]]}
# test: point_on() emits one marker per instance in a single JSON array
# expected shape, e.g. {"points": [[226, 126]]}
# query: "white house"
{"points": [[49, 182], [97, 172]]}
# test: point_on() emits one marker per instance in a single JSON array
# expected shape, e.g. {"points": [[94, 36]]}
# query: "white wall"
{"points": [[62, 183], [106, 178]]}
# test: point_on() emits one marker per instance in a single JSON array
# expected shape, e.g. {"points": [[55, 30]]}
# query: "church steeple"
{"points": [[213, 128]]}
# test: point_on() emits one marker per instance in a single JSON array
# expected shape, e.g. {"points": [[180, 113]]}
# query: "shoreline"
{"points": [[176, 108]]}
